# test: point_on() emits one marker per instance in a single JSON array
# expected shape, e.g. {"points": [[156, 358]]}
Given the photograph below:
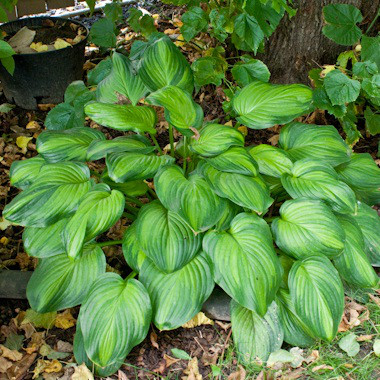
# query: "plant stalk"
{"points": [[171, 139], [156, 143], [108, 243], [131, 275], [184, 153], [134, 200], [373, 22]]}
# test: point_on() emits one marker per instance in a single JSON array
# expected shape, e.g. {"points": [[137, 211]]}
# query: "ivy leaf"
{"points": [[248, 70], [195, 20], [221, 23], [63, 116], [247, 33], [365, 69], [14, 341]]}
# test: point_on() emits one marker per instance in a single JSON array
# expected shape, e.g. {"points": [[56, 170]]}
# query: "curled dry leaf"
{"points": [[153, 340], [322, 367], [82, 373], [48, 366], [192, 371], [10, 354], [65, 320], [64, 346], [4, 365], [36, 341], [363, 338], [199, 320], [170, 360], [240, 374]]}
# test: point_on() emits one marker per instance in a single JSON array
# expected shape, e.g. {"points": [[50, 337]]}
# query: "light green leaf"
{"points": [[102, 33], [194, 21], [372, 121], [317, 294], [133, 254], [23, 173], [6, 50], [280, 356], [177, 297], [350, 345], [60, 282], [376, 347], [261, 105], [171, 244], [371, 87], [131, 188], [114, 318], [123, 117], [54, 195], [308, 227], [319, 142], [180, 354], [6, 107], [245, 263], [370, 49], [249, 70], [255, 336], [141, 23]]}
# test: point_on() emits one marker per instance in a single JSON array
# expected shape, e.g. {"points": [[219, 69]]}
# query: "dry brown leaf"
{"points": [[224, 326], [82, 373], [121, 375], [153, 340], [36, 341], [4, 365], [48, 366], [169, 360], [192, 371], [10, 354], [19, 369], [274, 139], [322, 367], [348, 365], [65, 320], [199, 320], [64, 346], [374, 299], [296, 374], [238, 375], [363, 338], [46, 107], [312, 357]]}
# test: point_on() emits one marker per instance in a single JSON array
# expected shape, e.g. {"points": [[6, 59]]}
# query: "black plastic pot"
{"points": [[41, 78]]}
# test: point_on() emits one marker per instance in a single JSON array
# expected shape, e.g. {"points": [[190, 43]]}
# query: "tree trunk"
{"points": [[298, 44]]}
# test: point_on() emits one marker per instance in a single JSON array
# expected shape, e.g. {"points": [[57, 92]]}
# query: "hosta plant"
{"points": [[281, 229]]}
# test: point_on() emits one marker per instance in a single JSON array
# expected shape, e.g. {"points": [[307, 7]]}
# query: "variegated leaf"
{"points": [[23, 173], [133, 254]]}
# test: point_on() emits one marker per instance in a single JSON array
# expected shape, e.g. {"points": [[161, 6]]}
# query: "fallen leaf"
{"points": [[36, 341], [6, 107], [153, 340], [312, 357], [180, 354], [322, 367], [4, 224], [19, 369], [374, 299], [121, 375], [43, 320], [47, 351], [32, 125], [4, 365], [82, 373], [4, 240], [38, 47], [10, 354], [349, 344], [326, 70], [22, 39], [279, 356], [224, 326], [46, 107], [376, 347], [298, 358], [14, 341], [363, 338], [274, 139], [65, 320], [60, 44], [46, 366], [192, 371], [64, 346], [238, 375], [22, 143], [243, 130], [169, 360], [199, 320]]}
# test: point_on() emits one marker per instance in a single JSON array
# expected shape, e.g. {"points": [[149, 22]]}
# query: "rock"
{"points": [[218, 306]]}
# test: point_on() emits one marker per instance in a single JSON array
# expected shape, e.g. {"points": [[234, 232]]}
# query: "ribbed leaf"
{"points": [[54, 195], [191, 198], [122, 82], [235, 160], [255, 336], [60, 282], [314, 180], [245, 263], [133, 254], [46, 241], [131, 166], [114, 318], [177, 297], [245, 191], [272, 161], [308, 227], [171, 244], [317, 294], [163, 64], [99, 210], [215, 139], [262, 105], [67, 145], [353, 264], [131, 188], [319, 142], [135, 143], [230, 211], [123, 117], [23, 173]]}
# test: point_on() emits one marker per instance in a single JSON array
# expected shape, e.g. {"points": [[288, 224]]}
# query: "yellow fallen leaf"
{"points": [[65, 320], [61, 44], [177, 22], [39, 47], [4, 240], [46, 366], [82, 373], [243, 129], [22, 142], [78, 39], [192, 371], [180, 41], [4, 224], [32, 125], [36, 341], [199, 320], [10, 354], [229, 123]]}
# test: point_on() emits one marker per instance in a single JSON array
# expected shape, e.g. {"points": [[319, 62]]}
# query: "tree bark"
{"points": [[298, 44]]}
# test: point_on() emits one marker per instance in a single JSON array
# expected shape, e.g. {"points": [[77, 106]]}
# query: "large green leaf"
{"points": [[63, 116], [163, 64], [177, 297], [114, 318], [133, 254], [102, 33], [320, 142], [123, 117], [372, 121], [131, 188], [122, 83], [130, 166], [308, 227], [135, 143], [23, 173], [245, 263], [256, 336], [249, 70], [322, 101], [370, 49], [210, 69], [261, 105], [215, 139], [317, 294], [192, 198], [54, 194], [60, 282], [99, 210], [99, 72], [341, 23], [353, 264], [67, 145], [171, 244], [194, 21], [245, 191], [314, 180]]}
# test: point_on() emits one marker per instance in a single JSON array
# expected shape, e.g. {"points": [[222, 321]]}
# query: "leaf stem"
{"points": [[131, 275], [171, 139], [156, 143], [373, 22], [134, 200], [129, 216], [130, 208], [110, 242], [184, 153], [152, 193]]}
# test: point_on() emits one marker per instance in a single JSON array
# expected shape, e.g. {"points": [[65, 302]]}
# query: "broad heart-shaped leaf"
{"points": [[163, 64], [68, 145], [314, 180], [320, 142], [60, 282], [249, 70], [131, 188], [23, 173], [308, 227], [130, 166], [165, 237], [123, 117], [246, 191], [215, 139], [272, 161], [135, 143], [99, 72], [369, 223], [245, 263], [230, 211], [235, 160], [114, 318], [317, 294], [353, 264], [370, 49], [256, 336], [296, 331], [99, 210], [63, 116], [194, 21], [121, 82], [177, 297], [192, 198], [133, 254], [341, 23], [179, 106], [54, 195], [323, 102], [46, 241], [261, 105]]}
